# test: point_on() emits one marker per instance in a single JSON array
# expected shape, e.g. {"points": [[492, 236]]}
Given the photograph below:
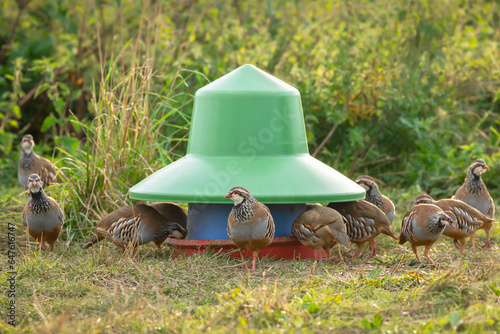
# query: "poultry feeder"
{"points": [[247, 130]]}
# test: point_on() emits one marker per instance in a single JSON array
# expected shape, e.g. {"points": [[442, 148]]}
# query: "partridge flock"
{"points": [[250, 225]]}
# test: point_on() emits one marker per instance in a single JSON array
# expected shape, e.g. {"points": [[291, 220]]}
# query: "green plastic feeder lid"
{"points": [[247, 130]]}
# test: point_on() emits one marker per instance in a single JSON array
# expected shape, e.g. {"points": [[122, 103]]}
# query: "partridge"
{"points": [[42, 216], [250, 224], [310, 206], [136, 225], [364, 222], [474, 192], [32, 163], [467, 219], [422, 226], [172, 211], [374, 196], [321, 227]]}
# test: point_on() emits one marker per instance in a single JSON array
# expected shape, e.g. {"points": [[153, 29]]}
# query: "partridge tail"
{"points": [[388, 231], [340, 236], [489, 220]]}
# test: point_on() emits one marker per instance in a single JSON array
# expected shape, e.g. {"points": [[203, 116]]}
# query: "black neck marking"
{"points": [[27, 160], [39, 202]]}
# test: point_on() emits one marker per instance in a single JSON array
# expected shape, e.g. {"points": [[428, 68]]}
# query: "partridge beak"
{"points": [[485, 166], [228, 196]]}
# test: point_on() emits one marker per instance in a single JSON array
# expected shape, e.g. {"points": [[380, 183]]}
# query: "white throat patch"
{"points": [[237, 199], [27, 148]]}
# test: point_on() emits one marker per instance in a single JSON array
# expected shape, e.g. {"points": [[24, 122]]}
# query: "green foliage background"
{"points": [[411, 88]]}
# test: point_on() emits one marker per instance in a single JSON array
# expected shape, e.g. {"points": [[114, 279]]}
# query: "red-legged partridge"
{"points": [[475, 193], [467, 219], [422, 226], [374, 196], [365, 222], [136, 225], [321, 227], [32, 163], [42, 216], [172, 211], [250, 224]]}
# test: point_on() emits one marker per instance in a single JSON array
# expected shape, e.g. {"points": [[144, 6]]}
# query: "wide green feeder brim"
{"points": [[275, 180]]}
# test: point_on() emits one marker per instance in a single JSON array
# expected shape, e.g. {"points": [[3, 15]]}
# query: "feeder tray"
{"points": [[247, 130]]}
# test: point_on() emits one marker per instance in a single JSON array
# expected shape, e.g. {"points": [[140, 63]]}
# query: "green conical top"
{"points": [[247, 130], [248, 79]]}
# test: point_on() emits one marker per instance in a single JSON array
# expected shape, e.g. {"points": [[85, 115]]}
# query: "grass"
{"points": [[98, 290]]}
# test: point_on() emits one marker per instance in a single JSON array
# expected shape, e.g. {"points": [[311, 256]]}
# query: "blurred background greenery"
{"points": [[405, 91]]}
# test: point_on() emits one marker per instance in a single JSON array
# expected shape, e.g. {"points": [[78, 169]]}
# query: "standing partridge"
{"points": [[135, 225], [321, 227], [42, 216], [374, 196], [467, 219], [250, 224], [364, 222], [475, 193], [422, 226], [32, 163]]}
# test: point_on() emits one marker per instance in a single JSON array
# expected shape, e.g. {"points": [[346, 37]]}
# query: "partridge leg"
{"points": [[464, 241], [473, 242], [51, 248], [255, 255], [427, 249], [243, 260], [373, 248], [416, 253], [487, 230], [455, 243], [360, 247], [41, 243]]}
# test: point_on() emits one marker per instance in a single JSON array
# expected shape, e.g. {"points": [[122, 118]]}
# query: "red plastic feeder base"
{"points": [[282, 247]]}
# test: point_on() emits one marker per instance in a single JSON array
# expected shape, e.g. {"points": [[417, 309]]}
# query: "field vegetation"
{"points": [[407, 92]]}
